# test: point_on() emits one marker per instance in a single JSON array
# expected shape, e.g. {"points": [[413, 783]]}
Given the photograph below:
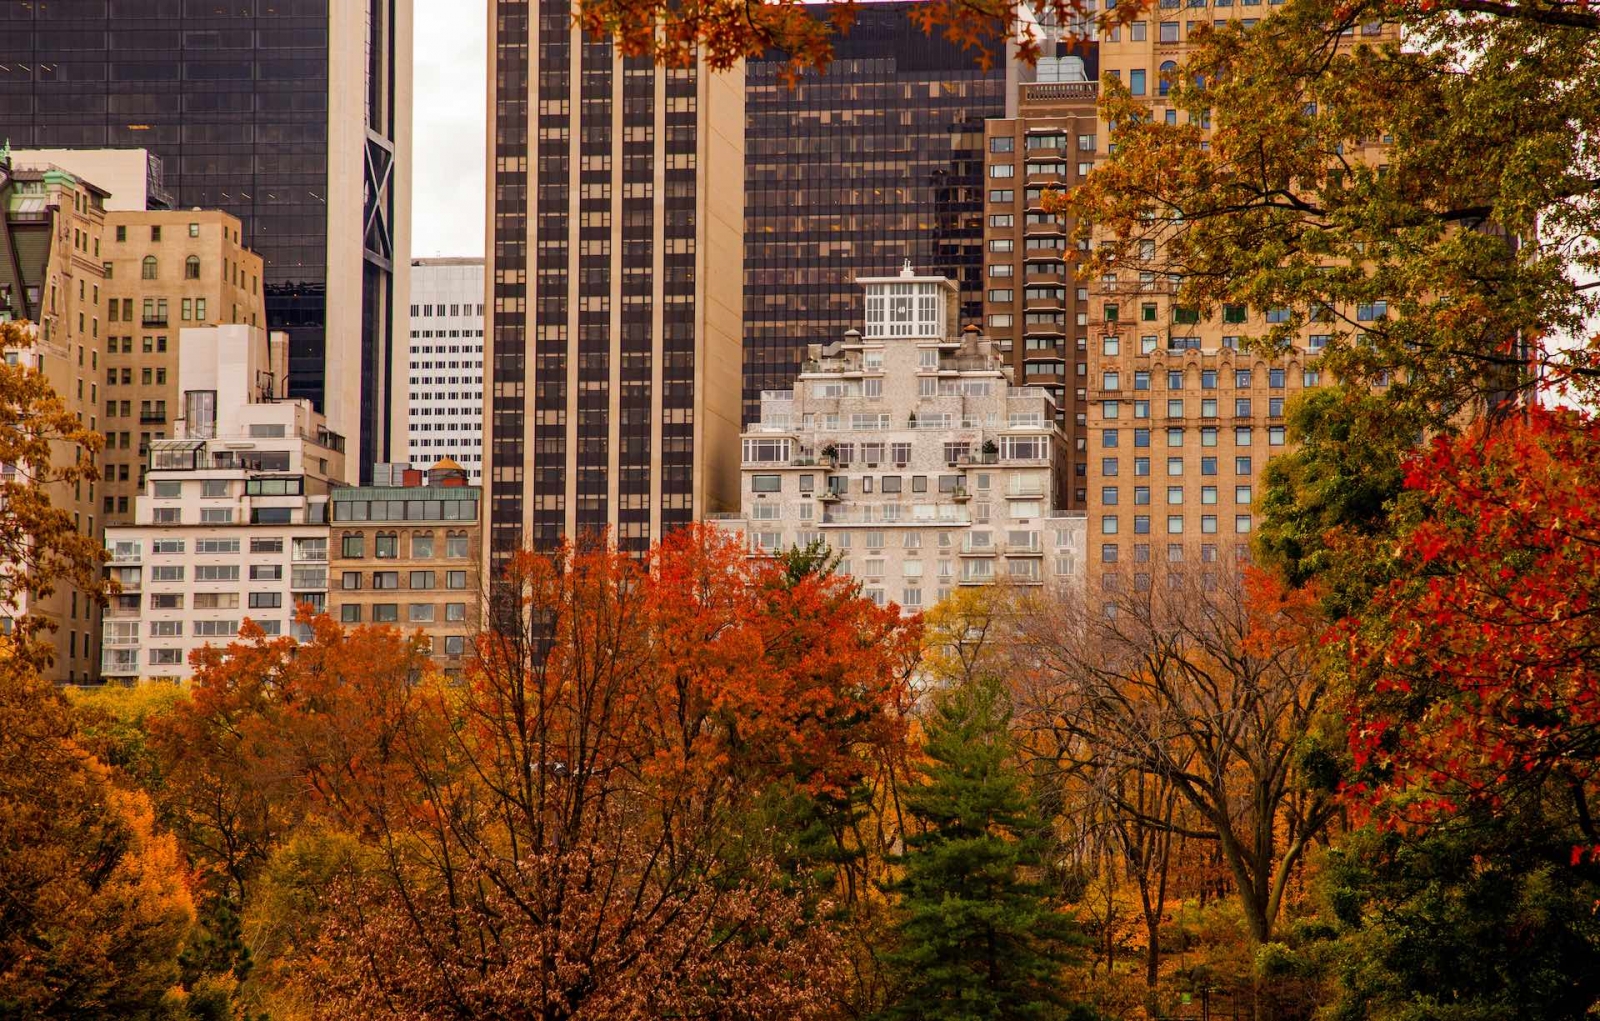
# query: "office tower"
{"points": [[1034, 307], [165, 273], [233, 520], [51, 232], [875, 161], [615, 215], [1182, 418], [406, 552], [444, 384], [291, 115], [908, 450]]}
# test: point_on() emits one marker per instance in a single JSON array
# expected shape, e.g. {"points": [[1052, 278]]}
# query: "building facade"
{"points": [[445, 378], [167, 273], [1182, 417], [615, 218], [233, 520], [874, 161], [52, 227], [291, 115], [407, 555], [1034, 308], [909, 452]]}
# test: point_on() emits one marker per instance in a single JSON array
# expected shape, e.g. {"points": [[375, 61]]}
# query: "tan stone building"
{"points": [[407, 555], [165, 271], [1181, 421], [52, 227], [1035, 309]]}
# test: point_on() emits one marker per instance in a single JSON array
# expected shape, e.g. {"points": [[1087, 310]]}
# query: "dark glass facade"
{"points": [[233, 97], [594, 412], [876, 161]]}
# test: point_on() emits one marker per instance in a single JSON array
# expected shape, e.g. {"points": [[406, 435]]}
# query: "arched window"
{"points": [[1168, 67], [149, 267], [191, 268]]}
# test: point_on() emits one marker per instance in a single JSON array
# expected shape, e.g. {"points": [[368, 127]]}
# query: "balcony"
{"points": [[153, 320], [1045, 92]]}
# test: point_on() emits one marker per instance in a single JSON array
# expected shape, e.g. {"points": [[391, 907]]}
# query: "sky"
{"points": [[447, 143]]}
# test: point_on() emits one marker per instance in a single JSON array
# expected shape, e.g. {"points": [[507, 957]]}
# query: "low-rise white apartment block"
{"points": [[909, 452], [232, 522], [444, 417]]}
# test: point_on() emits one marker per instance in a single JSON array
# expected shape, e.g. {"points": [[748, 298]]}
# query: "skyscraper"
{"points": [[444, 386], [292, 115], [852, 172], [615, 204]]}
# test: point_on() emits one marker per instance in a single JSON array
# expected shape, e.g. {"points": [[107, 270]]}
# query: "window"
{"points": [[420, 613], [194, 230], [350, 581], [385, 579], [215, 572], [455, 579], [191, 268], [1136, 81], [148, 269], [353, 547], [155, 233], [421, 579], [266, 600], [455, 546], [386, 545], [385, 613], [455, 645], [266, 572], [455, 611], [422, 547], [766, 483], [350, 613], [1002, 143]]}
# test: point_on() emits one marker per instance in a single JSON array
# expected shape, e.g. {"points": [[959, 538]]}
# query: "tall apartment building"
{"points": [[877, 160], [233, 520], [1181, 419], [613, 283], [52, 227], [1035, 309], [444, 385], [908, 451], [407, 554], [166, 272], [291, 115]]}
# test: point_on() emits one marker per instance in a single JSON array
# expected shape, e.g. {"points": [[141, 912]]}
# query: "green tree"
{"points": [[1427, 206], [978, 935]]}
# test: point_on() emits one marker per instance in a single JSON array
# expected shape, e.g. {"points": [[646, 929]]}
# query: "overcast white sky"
{"points": [[447, 127]]}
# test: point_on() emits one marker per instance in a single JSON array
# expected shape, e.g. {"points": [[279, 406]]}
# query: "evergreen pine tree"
{"points": [[978, 938]]}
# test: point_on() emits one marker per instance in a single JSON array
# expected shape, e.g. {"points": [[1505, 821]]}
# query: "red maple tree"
{"points": [[1477, 672]]}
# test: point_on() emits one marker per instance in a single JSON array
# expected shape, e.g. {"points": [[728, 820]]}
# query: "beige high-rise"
{"points": [[613, 284], [165, 272], [52, 227], [1035, 309], [1181, 421]]}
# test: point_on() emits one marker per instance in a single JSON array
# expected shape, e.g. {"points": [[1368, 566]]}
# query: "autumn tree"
{"points": [[1473, 719], [566, 835], [1426, 204], [980, 933], [46, 450], [1205, 687], [93, 902]]}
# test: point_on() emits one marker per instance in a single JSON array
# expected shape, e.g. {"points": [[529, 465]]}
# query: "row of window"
{"points": [[416, 580], [1039, 140], [447, 309], [1110, 524], [1243, 379], [1175, 465], [386, 546]]}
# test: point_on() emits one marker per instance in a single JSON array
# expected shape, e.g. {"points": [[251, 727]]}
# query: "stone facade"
{"points": [[909, 452]]}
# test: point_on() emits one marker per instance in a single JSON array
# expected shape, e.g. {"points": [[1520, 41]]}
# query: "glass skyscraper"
{"points": [[852, 172], [293, 115]]}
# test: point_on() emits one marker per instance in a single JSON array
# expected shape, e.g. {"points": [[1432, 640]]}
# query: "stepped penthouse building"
{"points": [[908, 450]]}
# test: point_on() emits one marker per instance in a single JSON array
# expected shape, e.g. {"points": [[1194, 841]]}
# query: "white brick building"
{"points": [[910, 453], [232, 520], [444, 417]]}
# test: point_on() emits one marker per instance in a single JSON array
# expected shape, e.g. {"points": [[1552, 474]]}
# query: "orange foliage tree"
{"points": [[577, 830]]}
